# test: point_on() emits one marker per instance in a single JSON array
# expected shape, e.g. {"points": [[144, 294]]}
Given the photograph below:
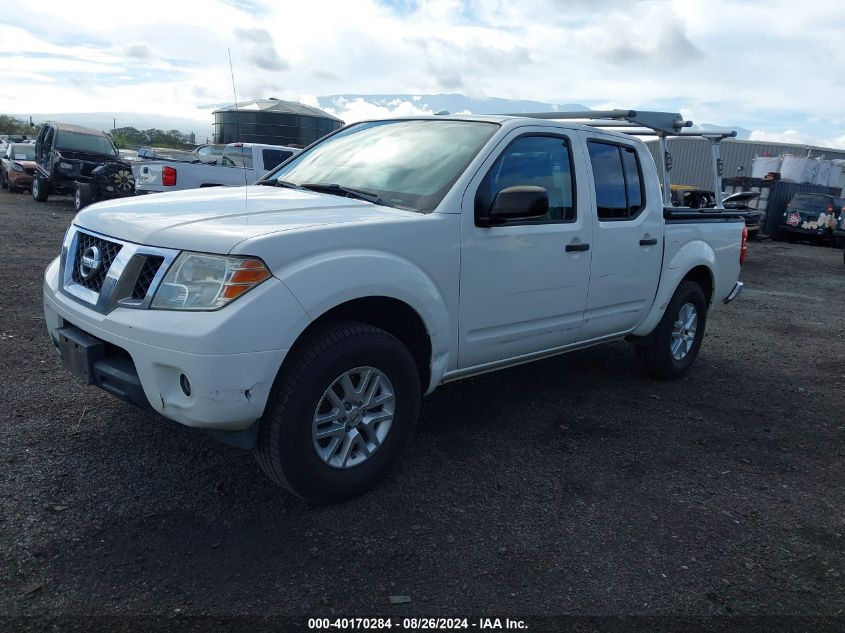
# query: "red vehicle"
{"points": [[17, 166]]}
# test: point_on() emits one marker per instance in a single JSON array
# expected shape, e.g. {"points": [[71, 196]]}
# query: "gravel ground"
{"points": [[574, 485]]}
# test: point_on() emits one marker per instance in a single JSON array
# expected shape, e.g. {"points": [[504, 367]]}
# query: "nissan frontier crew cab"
{"points": [[303, 317]]}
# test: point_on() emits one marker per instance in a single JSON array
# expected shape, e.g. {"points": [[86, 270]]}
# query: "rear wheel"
{"points": [[81, 196], [673, 346], [341, 411], [4, 183], [39, 189]]}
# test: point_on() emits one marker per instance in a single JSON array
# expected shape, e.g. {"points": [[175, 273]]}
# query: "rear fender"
{"points": [[689, 256]]}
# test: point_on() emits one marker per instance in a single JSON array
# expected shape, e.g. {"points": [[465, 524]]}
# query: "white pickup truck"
{"points": [[305, 316], [241, 164]]}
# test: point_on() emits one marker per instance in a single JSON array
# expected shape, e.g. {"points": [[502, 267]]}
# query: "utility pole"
{"points": [[113, 125]]}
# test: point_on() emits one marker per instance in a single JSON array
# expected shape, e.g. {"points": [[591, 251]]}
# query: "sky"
{"points": [[775, 67]]}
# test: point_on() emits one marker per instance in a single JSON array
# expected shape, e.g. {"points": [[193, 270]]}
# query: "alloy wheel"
{"points": [[683, 331], [353, 417]]}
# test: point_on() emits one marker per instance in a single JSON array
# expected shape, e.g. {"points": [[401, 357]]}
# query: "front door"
{"points": [[42, 148], [524, 283]]}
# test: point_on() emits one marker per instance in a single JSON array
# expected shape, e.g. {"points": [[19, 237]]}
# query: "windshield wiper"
{"points": [[348, 192], [279, 183]]}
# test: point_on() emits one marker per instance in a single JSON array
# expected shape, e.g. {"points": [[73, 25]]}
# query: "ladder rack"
{"points": [[663, 125]]}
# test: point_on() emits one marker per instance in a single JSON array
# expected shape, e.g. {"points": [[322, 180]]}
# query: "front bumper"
{"points": [[20, 178], [822, 231], [222, 353]]}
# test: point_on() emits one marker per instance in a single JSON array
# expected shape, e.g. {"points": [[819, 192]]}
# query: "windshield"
{"points": [[407, 164], [84, 143], [810, 202], [22, 152]]}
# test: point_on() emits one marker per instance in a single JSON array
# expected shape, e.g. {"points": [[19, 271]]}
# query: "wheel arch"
{"points": [[703, 276], [700, 272], [388, 313]]}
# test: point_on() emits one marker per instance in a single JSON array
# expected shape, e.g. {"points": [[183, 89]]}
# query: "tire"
{"points": [[4, 182], [657, 354], [287, 448], [81, 196], [39, 189]]}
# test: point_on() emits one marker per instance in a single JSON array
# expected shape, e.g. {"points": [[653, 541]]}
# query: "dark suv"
{"points": [[812, 215], [81, 161]]}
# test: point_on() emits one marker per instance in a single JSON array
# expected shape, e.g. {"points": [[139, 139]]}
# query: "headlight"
{"points": [[65, 166], [207, 282]]}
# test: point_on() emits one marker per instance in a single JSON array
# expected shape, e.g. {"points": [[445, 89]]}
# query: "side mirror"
{"points": [[517, 203]]}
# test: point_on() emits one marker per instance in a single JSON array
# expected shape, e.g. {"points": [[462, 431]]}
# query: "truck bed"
{"points": [[685, 214]]}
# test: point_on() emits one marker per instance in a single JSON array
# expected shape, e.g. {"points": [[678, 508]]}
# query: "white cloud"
{"points": [[360, 110], [710, 58]]}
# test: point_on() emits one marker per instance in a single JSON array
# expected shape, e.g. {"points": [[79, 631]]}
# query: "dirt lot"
{"points": [[571, 486]]}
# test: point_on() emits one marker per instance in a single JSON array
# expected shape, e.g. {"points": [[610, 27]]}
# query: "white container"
{"points": [[798, 169], [822, 172], [763, 165], [836, 177]]}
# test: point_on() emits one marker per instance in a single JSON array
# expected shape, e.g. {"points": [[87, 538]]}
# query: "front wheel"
{"points": [[39, 189], [674, 344], [340, 413]]}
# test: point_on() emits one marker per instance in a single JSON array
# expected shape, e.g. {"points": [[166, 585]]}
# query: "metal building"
{"points": [[273, 122], [691, 159]]}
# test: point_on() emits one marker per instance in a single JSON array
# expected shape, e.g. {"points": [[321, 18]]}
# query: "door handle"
{"points": [[648, 242], [577, 247]]}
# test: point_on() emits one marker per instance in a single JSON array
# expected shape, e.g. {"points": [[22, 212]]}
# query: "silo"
{"points": [[273, 122]]}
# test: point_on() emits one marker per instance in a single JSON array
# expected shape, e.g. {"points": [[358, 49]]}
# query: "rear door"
{"points": [[628, 235], [523, 284]]}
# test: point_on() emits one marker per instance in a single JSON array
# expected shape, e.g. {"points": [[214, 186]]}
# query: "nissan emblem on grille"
{"points": [[90, 262]]}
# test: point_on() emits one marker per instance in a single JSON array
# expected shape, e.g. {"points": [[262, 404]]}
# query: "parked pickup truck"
{"points": [[241, 164], [305, 316]]}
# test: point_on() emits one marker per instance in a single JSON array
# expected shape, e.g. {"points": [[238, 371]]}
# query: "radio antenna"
{"points": [[237, 112]]}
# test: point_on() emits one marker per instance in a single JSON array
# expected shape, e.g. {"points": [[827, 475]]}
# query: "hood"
{"points": [[215, 219]]}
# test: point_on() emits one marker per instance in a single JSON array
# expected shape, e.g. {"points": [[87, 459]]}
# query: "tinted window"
{"points": [[633, 180], [810, 202], [274, 157], [540, 161], [618, 181]]}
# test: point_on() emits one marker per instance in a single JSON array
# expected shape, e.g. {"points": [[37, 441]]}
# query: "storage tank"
{"points": [[273, 122]]}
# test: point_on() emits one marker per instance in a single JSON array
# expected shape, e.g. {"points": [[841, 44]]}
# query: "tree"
{"points": [[174, 139], [13, 125]]}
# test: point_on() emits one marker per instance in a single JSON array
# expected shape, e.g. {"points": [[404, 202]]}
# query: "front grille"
{"points": [[145, 277], [108, 251]]}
